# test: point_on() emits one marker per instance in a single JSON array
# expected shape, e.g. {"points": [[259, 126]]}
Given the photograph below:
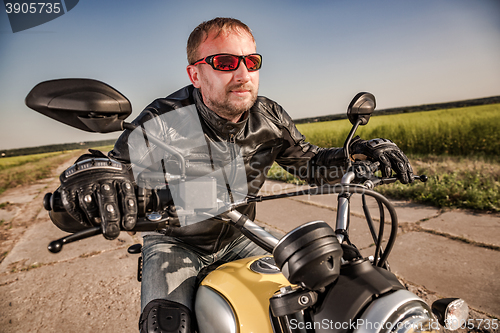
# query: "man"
{"points": [[224, 71]]}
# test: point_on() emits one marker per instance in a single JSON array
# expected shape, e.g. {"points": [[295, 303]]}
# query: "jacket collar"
{"points": [[218, 123]]}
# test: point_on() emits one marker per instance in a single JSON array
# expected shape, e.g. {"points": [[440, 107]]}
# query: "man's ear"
{"points": [[193, 75]]}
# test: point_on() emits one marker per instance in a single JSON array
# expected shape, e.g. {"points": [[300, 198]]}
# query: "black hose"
{"points": [[378, 248], [352, 189], [369, 219]]}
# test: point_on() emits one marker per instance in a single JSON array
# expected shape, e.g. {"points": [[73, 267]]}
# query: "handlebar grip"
{"points": [[46, 201], [53, 202]]}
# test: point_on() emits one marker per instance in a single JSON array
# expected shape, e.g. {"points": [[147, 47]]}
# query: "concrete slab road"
{"points": [[91, 285]]}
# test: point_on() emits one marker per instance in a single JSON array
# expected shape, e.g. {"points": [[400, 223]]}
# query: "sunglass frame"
{"points": [[209, 60]]}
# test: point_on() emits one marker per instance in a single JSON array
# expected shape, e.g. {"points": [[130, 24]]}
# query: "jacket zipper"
{"points": [[232, 144], [230, 180]]}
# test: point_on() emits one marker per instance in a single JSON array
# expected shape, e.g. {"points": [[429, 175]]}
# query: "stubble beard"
{"points": [[229, 109]]}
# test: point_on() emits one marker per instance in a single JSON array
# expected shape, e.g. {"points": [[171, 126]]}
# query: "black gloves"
{"points": [[388, 154], [97, 190]]}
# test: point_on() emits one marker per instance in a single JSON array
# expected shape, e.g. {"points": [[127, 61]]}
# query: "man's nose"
{"points": [[241, 74]]}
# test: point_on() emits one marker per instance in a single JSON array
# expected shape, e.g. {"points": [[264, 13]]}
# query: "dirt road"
{"points": [[91, 285]]}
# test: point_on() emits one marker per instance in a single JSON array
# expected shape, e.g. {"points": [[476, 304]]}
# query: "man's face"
{"points": [[228, 94]]}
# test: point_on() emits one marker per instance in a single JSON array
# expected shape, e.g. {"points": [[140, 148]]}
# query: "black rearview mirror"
{"points": [[86, 104], [361, 107]]}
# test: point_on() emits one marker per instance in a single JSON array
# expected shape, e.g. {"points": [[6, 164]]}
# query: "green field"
{"points": [[458, 132], [471, 182], [459, 149], [17, 161], [23, 170]]}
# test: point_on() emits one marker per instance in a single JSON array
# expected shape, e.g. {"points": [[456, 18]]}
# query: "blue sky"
{"points": [[316, 55]]}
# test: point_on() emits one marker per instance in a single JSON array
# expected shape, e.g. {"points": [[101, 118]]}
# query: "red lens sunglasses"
{"points": [[229, 62]]}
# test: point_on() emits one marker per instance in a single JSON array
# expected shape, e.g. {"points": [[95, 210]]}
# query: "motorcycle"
{"points": [[316, 280]]}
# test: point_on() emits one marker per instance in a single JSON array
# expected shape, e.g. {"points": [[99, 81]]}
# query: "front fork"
{"points": [[343, 209]]}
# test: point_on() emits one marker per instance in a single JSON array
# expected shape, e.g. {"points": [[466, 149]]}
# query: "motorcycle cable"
{"points": [[351, 189]]}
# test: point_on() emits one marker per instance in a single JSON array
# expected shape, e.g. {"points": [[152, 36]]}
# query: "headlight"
{"points": [[413, 317], [398, 312]]}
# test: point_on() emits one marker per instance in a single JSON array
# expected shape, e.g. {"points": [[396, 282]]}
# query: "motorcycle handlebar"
{"points": [[53, 202]]}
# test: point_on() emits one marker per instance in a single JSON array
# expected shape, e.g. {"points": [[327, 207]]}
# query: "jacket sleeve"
{"points": [[306, 161], [127, 150], [124, 146]]}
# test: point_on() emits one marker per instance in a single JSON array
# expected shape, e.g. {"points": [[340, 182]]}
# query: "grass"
{"points": [[458, 149], [458, 182], [17, 161], [278, 173], [454, 181], [104, 149], [23, 170], [461, 131]]}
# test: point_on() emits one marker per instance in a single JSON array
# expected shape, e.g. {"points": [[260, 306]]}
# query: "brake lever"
{"points": [[371, 183], [57, 245], [142, 224]]}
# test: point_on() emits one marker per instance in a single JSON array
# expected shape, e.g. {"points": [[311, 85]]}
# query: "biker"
{"points": [[224, 72]]}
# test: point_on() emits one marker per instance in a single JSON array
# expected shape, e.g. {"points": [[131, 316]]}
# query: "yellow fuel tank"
{"points": [[244, 287]]}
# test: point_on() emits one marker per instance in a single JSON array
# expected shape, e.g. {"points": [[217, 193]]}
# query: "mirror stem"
{"points": [[348, 142], [159, 143]]}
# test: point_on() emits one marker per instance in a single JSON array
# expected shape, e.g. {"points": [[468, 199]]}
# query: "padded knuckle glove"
{"points": [[388, 154], [99, 191]]}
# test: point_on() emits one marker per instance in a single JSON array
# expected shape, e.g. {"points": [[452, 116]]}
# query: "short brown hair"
{"points": [[218, 25]]}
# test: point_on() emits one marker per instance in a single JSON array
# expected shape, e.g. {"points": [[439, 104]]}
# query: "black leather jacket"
{"points": [[265, 135]]}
